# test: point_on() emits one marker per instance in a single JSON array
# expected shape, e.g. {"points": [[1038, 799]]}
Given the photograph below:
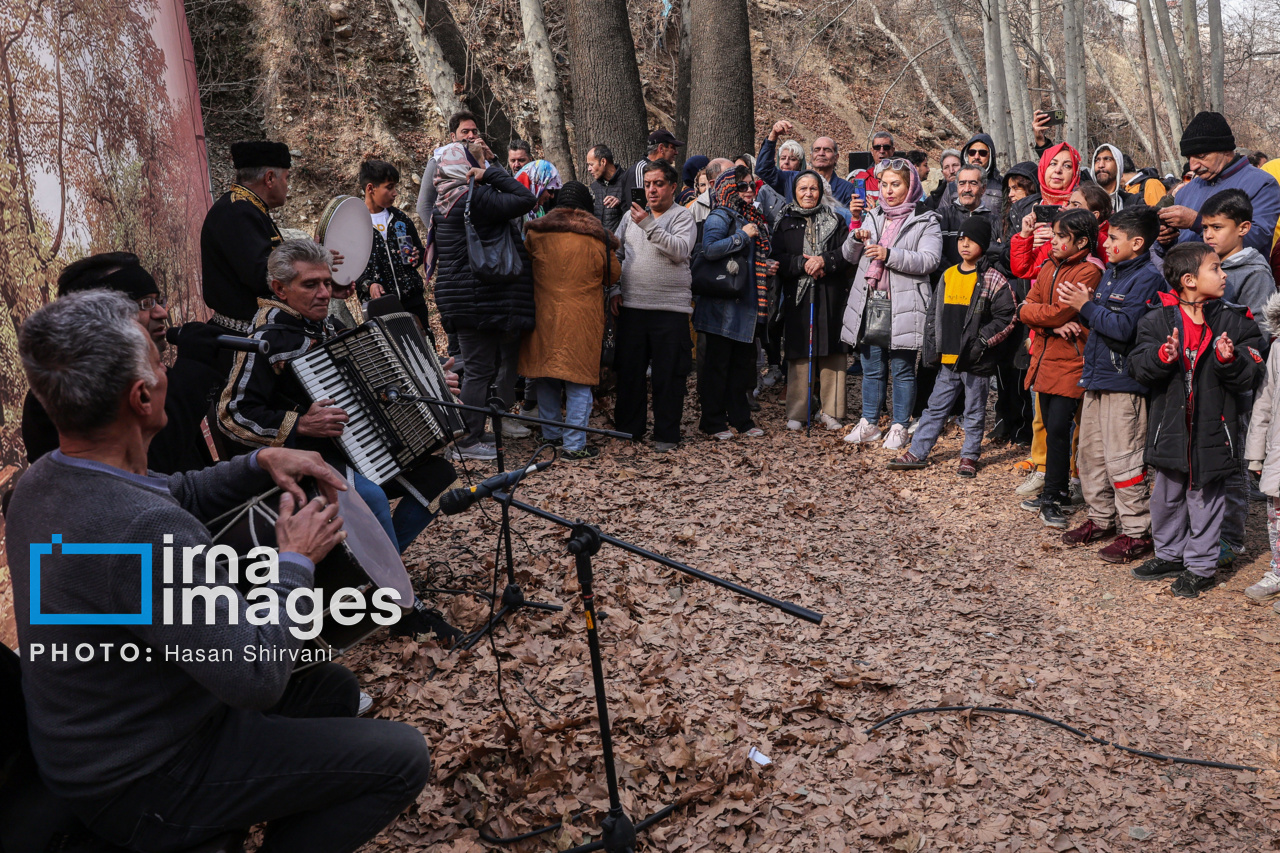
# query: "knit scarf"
{"points": [[1052, 196], [725, 194], [894, 217]]}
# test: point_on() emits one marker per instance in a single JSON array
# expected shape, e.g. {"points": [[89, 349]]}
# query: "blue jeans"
{"points": [[876, 363], [402, 527], [577, 410], [949, 385]]}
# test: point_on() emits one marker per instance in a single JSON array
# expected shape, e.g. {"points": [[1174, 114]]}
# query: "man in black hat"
{"points": [[179, 445], [239, 234], [1211, 148], [662, 145]]}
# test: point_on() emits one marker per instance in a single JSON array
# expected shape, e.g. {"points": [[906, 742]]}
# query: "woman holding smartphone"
{"points": [[896, 249]]}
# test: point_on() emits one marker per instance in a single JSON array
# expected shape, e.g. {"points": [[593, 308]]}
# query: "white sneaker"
{"points": [[795, 426], [1265, 589], [515, 429], [915, 425], [366, 702], [1033, 485], [864, 431], [829, 422], [897, 438]]}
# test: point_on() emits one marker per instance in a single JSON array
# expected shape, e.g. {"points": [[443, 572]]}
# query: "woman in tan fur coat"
{"points": [[574, 261]]}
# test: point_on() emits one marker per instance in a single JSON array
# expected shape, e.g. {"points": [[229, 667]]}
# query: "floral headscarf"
{"points": [[537, 177]]}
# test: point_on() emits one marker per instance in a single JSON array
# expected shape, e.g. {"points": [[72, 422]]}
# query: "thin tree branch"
{"points": [[786, 82]]}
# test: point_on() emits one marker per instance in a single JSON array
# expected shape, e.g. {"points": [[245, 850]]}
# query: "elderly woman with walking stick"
{"points": [[815, 284]]}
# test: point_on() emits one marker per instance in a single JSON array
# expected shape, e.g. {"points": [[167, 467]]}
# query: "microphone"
{"points": [[233, 342], [455, 501], [390, 393]]}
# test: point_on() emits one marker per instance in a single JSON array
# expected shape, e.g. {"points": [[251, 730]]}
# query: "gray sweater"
{"points": [[99, 724], [655, 261]]}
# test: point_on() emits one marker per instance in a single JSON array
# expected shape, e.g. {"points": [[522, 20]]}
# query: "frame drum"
{"points": [[366, 560], [345, 226]]}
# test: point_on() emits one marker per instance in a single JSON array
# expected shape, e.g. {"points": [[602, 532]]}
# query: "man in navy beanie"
{"points": [[1210, 146]]}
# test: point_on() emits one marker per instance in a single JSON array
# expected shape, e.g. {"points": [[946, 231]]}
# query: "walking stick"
{"points": [[808, 427]]}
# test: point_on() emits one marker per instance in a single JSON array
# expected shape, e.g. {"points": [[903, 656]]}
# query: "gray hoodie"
{"points": [[1249, 280]]}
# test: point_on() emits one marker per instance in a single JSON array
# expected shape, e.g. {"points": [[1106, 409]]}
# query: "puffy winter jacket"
{"points": [[988, 321], [1262, 445], [915, 255], [730, 318], [464, 301], [1056, 363], [1112, 316], [1207, 453]]}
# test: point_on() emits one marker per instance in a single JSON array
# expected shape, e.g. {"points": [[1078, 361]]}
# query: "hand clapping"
{"points": [[1226, 349]]}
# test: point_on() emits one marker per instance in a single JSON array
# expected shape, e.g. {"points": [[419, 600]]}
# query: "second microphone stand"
{"points": [[618, 832], [512, 595]]}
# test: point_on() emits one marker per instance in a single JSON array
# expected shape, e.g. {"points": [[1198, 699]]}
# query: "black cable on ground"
{"points": [[992, 709]]}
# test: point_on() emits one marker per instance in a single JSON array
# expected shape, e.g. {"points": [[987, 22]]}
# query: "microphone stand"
{"points": [[618, 833], [512, 595]]}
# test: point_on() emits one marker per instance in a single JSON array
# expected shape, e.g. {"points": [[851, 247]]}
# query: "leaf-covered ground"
{"points": [[936, 591]]}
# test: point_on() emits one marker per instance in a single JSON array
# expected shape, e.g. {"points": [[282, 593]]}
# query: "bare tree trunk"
{"points": [[1016, 85], [722, 113], [1161, 139], [1073, 58], [684, 68], [607, 100], [1153, 51], [555, 140], [1175, 60], [924, 82], [964, 59], [1195, 64], [1000, 126], [1217, 95], [1037, 41], [1124, 107], [477, 96], [437, 71]]}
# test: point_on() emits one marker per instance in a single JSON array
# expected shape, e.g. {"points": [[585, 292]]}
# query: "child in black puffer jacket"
{"points": [[1197, 354]]}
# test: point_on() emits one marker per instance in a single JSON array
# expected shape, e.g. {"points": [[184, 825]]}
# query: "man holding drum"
{"points": [[156, 750]]}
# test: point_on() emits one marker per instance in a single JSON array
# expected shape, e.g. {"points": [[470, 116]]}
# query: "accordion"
{"points": [[363, 370]]}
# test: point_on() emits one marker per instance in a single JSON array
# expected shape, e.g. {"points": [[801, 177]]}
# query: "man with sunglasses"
{"points": [[981, 152], [882, 148], [822, 159]]}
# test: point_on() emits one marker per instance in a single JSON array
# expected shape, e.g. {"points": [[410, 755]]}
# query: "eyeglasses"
{"points": [[978, 152], [742, 187], [882, 148], [146, 303]]}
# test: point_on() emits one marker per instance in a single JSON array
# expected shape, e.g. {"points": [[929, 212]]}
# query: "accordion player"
{"points": [[266, 404]]}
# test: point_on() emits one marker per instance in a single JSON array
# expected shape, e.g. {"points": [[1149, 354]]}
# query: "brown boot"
{"points": [[1087, 533], [1126, 549]]}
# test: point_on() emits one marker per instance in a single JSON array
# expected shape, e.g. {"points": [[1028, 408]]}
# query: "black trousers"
{"points": [[323, 780], [726, 375], [771, 339], [1013, 401], [1059, 414], [657, 339]]}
